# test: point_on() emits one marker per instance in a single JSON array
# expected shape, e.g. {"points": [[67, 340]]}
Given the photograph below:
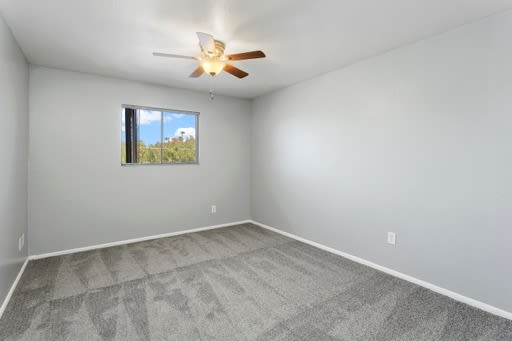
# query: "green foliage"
{"points": [[179, 150], [176, 150], [149, 153], [123, 152]]}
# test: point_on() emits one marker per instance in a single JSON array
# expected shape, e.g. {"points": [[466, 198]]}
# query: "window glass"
{"points": [[179, 143]]}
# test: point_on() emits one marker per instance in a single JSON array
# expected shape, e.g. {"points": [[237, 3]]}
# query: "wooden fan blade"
{"points": [[197, 72], [206, 42], [235, 71], [168, 55], [246, 55]]}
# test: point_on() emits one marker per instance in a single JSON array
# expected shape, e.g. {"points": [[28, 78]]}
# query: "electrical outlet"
{"points": [[392, 238], [214, 209], [21, 242]]}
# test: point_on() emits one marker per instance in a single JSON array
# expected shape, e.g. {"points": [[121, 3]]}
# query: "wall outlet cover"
{"points": [[392, 238]]}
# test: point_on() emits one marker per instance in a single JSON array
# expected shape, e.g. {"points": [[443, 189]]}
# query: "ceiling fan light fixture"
{"points": [[213, 60], [212, 66]]}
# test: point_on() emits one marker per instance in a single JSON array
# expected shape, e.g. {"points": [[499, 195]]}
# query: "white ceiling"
{"points": [[301, 38]]}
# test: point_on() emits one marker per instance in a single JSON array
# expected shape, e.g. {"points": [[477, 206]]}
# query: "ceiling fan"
{"points": [[213, 60]]}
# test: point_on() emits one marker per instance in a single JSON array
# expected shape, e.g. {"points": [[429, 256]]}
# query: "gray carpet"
{"points": [[236, 283]]}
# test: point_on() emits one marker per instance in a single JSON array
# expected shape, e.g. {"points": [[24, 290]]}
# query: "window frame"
{"points": [[162, 111]]}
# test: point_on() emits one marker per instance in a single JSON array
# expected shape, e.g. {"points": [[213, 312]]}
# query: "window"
{"points": [[152, 136]]}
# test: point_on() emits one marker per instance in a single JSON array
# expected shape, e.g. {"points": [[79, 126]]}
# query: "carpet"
{"points": [[235, 283]]}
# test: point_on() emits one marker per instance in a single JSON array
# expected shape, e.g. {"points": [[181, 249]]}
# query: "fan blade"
{"points": [[246, 55], [197, 72], [235, 71], [158, 54], [206, 42]]}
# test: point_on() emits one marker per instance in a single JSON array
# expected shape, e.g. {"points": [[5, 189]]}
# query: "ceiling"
{"points": [[301, 38]]}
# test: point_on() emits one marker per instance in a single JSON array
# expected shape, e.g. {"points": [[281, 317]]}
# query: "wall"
{"points": [[416, 141], [79, 195], [13, 171]]}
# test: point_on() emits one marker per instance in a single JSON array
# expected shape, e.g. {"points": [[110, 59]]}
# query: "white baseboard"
{"points": [[13, 286], [135, 240], [458, 297]]}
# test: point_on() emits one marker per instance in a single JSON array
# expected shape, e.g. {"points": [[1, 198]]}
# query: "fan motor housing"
{"points": [[220, 46]]}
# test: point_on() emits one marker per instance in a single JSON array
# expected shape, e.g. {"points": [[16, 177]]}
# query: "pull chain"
{"points": [[212, 86]]}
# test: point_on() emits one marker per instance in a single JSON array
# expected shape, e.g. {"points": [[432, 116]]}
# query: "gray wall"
{"points": [[79, 195], [13, 170], [417, 141]]}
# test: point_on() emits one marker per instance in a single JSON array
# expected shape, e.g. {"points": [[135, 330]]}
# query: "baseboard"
{"points": [[135, 240], [458, 297], [13, 287]]}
